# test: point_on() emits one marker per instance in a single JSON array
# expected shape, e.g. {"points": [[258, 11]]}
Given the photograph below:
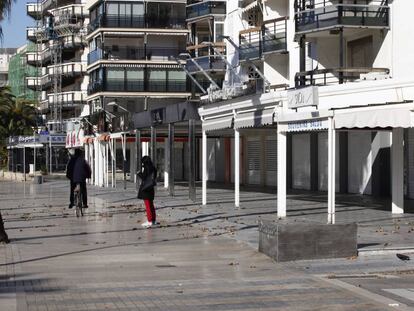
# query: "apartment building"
{"points": [[135, 75], [332, 104], [60, 58], [5, 56]]}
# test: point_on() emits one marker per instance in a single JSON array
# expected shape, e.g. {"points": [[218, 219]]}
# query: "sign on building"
{"points": [[303, 97], [74, 139]]}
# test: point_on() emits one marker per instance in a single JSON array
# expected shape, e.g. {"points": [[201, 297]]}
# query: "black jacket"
{"points": [[78, 170], [148, 181]]}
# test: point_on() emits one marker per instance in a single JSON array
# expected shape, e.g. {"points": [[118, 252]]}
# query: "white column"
{"points": [[204, 167], [166, 165], [331, 171], [114, 161], [281, 171], [397, 170], [107, 164], [236, 167]]}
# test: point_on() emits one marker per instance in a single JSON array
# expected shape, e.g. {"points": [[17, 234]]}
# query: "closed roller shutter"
{"points": [[253, 160], [410, 190], [301, 161], [359, 162], [271, 161]]}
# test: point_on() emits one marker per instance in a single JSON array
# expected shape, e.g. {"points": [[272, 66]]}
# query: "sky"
{"points": [[14, 28]]}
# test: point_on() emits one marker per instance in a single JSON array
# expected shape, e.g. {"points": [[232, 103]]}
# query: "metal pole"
{"points": [[138, 155], [50, 155], [281, 172], [192, 159], [171, 161], [24, 163], [204, 167], [34, 154], [124, 158], [153, 147], [236, 167]]}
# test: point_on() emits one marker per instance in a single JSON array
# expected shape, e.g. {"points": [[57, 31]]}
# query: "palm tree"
{"points": [[5, 9]]}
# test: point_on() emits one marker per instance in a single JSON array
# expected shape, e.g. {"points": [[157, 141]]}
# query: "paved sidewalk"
{"points": [[199, 258]]}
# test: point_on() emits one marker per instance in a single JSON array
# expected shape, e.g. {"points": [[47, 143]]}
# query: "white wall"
{"points": [[359, 162]]}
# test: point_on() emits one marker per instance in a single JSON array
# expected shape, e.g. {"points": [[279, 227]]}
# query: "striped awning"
{"points": [[219, 123]]}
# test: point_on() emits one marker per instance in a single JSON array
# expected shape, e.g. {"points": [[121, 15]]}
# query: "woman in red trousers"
{"points": [[146, 191]]}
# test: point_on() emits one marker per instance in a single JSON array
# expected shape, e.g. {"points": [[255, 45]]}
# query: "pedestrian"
{"points": [[77, 171], [146, 192]]}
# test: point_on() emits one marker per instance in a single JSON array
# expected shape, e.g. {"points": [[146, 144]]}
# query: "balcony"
{"points": [[146, 85], [268, 38], [72, 42], [68, 17], [67, 70], [67, 99], [207, 63], [36, 34], [206, 8], [36, 83], [132, 53], [311, 16], [323, 77], [34, 10], [138, 21], [35, 58]]}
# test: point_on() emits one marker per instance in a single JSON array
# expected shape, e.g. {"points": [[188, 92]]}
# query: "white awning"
{"points": [[254, 118], [391, 116], [218, 123]]}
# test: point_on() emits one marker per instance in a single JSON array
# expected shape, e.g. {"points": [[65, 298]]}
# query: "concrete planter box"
{"points": [[284, 241]]}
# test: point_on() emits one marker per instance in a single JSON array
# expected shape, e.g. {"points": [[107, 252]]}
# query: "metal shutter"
{"points": [[271, 160], [410, 177], [253, 160]]}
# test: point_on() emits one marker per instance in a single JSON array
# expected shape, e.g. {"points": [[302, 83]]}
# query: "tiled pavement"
{"points": [[197, 259]]}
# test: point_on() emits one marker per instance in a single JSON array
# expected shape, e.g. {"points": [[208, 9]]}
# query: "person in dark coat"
{"points": [[146, 191], [77, 171]]}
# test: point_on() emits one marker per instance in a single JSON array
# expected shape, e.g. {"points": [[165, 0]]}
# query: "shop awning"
{"points": [[384, 116], [219, 123], [254, 118]]}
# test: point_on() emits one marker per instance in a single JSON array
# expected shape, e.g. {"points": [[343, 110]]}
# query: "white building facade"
{"points": [[331, 98]]}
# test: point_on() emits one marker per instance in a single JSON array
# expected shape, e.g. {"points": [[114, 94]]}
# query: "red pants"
{"points": [[149, 205]]}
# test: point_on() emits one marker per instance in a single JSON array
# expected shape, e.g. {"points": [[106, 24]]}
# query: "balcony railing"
{"points": [[311, 16], [67, 69], [34, 34], [42, 82], [330, 76], [138, 21], [208, 63], [206, 8], [122, 85], [34, 10], [268, 38], [43, 57], [68, 99], [133, 53]]}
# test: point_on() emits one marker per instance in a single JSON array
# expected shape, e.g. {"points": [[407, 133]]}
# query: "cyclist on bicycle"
{"points": [[77, 171]]}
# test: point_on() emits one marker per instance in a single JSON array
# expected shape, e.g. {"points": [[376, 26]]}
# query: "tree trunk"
{"points": [[3, 235]]}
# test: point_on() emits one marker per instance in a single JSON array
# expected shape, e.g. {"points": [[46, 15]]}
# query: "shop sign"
{"points": [[307, 125], [303, 97], [74, 139]]}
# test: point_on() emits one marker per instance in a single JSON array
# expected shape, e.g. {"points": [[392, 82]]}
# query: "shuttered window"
{"points": [[271, 160], [253, 160]]}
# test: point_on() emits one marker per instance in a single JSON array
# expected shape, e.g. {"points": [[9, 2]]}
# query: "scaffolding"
{"points": [[18, 71], [55, 26]]}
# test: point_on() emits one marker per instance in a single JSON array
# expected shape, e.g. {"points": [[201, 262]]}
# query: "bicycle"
{"points": [[78, 201]]}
